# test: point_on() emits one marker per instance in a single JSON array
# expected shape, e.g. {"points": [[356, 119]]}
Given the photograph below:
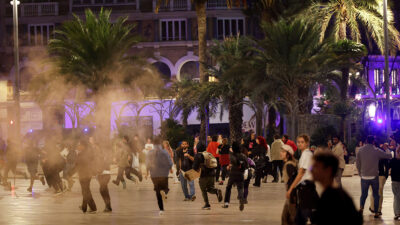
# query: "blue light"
{"points": [[380, 120], [86, 130], [30, 131]]}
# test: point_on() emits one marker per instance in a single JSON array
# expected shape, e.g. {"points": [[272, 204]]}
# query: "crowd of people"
{"points": [[299, 166]]}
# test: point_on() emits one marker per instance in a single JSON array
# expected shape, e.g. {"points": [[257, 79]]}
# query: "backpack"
{"points": [[209, 160]]}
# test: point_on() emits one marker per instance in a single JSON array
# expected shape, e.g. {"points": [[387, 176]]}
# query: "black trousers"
{"points": [[246, 186], [217, 170], [277, 164], [259, 175], [103, 180], [224, 172], [239, 181], [87, 194], [207, 185], [129, 170], [160, 184]]}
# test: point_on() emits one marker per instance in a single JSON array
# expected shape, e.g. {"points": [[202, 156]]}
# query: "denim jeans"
{"points": [[396, 200], [382, 182], [184, 184], [365, 184]]}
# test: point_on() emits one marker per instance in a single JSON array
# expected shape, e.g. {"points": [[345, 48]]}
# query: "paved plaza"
{"points": [[137, 205]]}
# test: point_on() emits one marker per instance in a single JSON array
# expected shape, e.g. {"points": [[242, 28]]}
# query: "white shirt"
{"points": [[306, 163]]}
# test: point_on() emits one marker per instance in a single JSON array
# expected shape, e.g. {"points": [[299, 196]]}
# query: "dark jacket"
{"points": [[238, 164], [84, 164], [395, 172], [158, 162], [199, 164]]}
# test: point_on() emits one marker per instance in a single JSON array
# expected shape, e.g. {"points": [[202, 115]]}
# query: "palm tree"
{"points": [[233, 57], [200, 7], [353, 20], [293, 56], [93, 53]]}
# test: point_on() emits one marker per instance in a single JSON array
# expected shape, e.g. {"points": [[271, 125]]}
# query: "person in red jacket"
{"points": [[223, 151], [212, 148]]}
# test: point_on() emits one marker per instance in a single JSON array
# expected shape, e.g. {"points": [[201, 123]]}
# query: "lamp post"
{"points": [[17, 126], [386, 71]]}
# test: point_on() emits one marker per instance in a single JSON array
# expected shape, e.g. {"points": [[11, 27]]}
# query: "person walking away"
{"points": [[338, 151], [286, 140], [303, 185], [122, 160], [277, 162], [212, 148], [185, 158], [238, 165], [383, 167], [252, 144], [223, 151], [289, 174], [395, 175], [102, 171], [32, 161], [367, 162], [86, 169], [167, 146], [260, 158], [206, 162], [334, 201], [11, 160], [250, 171], [159, 163]]}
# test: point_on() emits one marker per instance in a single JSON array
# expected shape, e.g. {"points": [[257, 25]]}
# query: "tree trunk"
{"points": [[235, 119], [259, 105], [344, 84], [102, 117], [202, 31], [342, 29]]}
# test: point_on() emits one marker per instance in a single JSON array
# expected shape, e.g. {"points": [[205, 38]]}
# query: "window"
{"points": [[173, 30], [378, 80], [230, 27], [40, 34], [395, 82]]}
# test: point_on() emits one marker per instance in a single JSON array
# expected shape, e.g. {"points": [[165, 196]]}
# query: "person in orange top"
{"points": [[212, 148]]}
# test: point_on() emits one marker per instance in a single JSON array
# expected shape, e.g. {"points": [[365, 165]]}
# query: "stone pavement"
{"points": [[137, 205]]}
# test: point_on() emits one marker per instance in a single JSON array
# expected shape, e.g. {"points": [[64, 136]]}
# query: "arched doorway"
{"points": [[164, 70], [190, 71]]}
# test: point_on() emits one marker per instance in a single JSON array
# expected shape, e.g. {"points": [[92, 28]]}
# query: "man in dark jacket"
{"points": [[335, 206], [158, 163], [207, 176], [238, 164]]}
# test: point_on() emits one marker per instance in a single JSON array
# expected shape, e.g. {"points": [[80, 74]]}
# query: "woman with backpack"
{"points": [[238, 165], [260, 158], [223, 151], [289, 174]]}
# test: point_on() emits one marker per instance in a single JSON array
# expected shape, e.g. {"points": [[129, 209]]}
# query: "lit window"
{"points": [[395, 82], [173, 30], [40, 34], [379, 79], [230, 27]]}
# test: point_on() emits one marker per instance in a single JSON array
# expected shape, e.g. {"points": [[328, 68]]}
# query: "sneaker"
{"points": [[161, 212], [377, 216], [91, 211], [282, 181], [186, 200], [397, 217], [226, 205], [361, 211], [255, 185], [193, 198], [206, 207], [115, 182], [245, 201], [29, 189], [219, 195], [107, 210], [123, 184], [372, 211], [241, 206], [42, 180], [140, 177], [164, 195]]}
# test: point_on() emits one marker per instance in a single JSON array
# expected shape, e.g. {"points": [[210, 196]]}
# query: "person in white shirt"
{"points": [[338, 151], [307, 194]]}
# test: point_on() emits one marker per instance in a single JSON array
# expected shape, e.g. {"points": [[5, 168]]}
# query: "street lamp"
{"points": [[387, 90], [15, 4]]}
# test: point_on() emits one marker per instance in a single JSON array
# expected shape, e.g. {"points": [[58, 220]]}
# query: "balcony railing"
{"points": [[88, 3], [219, 4], [39, 9], [176, 5]]}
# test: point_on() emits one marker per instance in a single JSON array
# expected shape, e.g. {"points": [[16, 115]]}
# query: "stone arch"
{"points": [[165, 61], [179, 64]]}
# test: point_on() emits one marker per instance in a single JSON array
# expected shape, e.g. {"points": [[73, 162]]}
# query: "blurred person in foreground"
{"points": [[335, 206], [159, 163]]}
